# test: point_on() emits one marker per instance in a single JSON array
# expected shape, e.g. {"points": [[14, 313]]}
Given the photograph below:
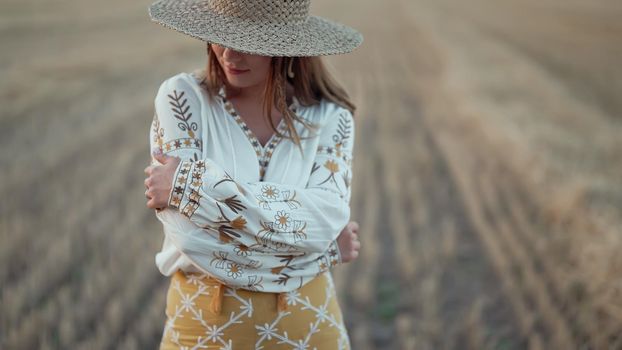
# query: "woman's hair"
{"points": [[311, 83]]}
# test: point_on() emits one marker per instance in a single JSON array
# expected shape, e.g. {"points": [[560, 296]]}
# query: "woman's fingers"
{"points": [[150, 204], [351, 244], [345, 229], [159, 181], [356, 245], [356, 226]]}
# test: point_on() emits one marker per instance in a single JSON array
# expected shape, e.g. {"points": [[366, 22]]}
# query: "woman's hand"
{"points": [[348, 242], [159, 181]]}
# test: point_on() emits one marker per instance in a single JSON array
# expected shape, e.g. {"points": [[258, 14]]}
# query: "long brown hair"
{"points": [[311, 83]]}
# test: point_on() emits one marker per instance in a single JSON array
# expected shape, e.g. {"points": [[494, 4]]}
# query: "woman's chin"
{"points": [[239, 83]]}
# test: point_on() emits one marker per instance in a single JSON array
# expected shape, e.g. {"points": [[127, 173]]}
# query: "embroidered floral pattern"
{"points": [[157, 131], [269, 192], [181, 112], [222, 261], [242, 250], [333, 258], [180, 184], [180, 108], [264, 154], [194, 185], [277, 196], [341, 138], [282, 219], [250, 252], [335, 151], [343, 133], [228, 228], [234, 270], [177, 144], [254, 283], [234, 203], [265, 245]]}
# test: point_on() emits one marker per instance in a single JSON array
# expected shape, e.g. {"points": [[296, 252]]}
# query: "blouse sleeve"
{"points": [[176, 130], [305, 219], [176, 126]]}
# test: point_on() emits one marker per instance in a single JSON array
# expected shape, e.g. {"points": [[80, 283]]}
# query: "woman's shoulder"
{"points": [[327, 112], [188, 84], [182, 80]]}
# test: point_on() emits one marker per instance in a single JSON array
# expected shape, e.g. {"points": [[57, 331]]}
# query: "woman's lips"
{"points": [[236, 71]]}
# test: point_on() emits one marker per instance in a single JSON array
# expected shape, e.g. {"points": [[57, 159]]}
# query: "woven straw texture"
{"points": [[261, 27]]}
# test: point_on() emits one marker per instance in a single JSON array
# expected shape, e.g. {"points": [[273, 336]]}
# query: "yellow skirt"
{"points": [[204, 314]]}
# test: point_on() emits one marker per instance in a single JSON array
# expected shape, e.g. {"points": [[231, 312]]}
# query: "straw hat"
{"points": [[261, 27]]}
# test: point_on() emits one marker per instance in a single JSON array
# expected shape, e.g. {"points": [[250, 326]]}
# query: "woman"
{"points": [[254, 215]]}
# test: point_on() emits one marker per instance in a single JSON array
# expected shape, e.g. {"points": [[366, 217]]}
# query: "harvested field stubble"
{"points": [[486, 173]]}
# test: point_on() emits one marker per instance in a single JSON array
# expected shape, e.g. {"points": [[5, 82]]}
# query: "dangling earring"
{"points": [[290, 72]]}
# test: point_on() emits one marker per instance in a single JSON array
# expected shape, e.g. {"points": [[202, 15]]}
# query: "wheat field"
{"points": [[487, 173]]}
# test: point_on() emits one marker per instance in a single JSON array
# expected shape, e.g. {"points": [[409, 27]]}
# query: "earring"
{"points": [[290, 72]]}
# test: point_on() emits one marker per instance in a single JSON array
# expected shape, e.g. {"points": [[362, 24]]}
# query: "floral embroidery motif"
{"points": [[229, 218], [268, 246], [270, 194], [340, 138], [314, 167], [242, 250], [283, 277], [282, 219], [195, 184], [331, 259], [158, 132], [221, 261], [343, 133], [174, 145], [254, 283], [180, 185], [335, 151], [234, 204], [292, 228], [226, 178], [181, 112], [234, 270], [178, 143], [227, 228]]}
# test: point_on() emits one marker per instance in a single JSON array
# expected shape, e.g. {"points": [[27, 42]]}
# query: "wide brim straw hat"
{"points": [[261, 27]]}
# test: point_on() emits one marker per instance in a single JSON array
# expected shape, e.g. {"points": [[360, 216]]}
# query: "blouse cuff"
{"points": [[188, 180], [334, 254], [180, 182], [330, 259]]}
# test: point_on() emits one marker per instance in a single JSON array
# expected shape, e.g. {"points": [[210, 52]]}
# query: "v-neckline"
{"points": [[263, 152]]}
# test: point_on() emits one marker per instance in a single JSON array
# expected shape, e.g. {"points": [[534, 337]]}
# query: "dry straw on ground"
{"points": [[486, 173]]}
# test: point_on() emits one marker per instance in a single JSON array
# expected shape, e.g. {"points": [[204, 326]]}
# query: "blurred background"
{"points": [[487, 181]]}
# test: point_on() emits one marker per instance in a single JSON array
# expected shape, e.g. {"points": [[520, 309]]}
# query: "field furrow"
{"points": [[485, 175]]}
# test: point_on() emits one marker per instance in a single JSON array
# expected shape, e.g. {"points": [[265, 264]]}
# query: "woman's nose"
{"points": [[230, 54]]}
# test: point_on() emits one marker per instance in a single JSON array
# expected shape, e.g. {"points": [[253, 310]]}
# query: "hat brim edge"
{"points": [[352, 38]]}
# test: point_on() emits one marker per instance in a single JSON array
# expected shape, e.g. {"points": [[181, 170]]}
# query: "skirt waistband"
{"points": [[216, 303]]}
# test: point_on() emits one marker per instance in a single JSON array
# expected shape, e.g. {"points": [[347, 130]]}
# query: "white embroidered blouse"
{"points": [[257, 217]]}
